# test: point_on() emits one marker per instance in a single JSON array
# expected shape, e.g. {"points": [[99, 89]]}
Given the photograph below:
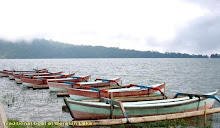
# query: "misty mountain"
{"points": [[41, 48]]}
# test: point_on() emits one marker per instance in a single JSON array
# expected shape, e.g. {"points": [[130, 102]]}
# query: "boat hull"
{"points": [[40, 80], [84, 110], [27, 81], [11, 77], [7, 73], [27, 84], [3, 75], [18, 81], [52, 89], [62, 87], [58, 87]]}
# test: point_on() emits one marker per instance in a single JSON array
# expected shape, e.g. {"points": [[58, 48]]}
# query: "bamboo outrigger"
{"points": [[62, 94], [44, 86], [105, 122]]}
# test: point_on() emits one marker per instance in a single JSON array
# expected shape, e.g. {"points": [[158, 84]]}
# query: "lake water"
{"points": [[181, 75]]}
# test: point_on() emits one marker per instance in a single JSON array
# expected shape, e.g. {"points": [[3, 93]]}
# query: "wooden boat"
{"points": [[89, 93], [41, 80], [31, 75], [61, 87], [6, 73], [12, 74], [81, 110], [145, 119]]}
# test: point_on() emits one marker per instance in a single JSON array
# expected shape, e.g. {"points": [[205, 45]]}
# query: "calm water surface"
{"points": [[181, 75]]}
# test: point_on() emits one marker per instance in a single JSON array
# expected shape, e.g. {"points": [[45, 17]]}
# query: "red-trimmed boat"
{"points": [[89, 93], [7, 73], [31, 75], [41, 80], [115, 108], [61, 87], [12, 74]]}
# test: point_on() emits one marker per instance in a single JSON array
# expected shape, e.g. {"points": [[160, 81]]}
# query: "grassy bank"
{"points": [[180, 123]]}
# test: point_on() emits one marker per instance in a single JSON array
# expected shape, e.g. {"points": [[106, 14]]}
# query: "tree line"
{"points": [[215, 55], [41, 48]]}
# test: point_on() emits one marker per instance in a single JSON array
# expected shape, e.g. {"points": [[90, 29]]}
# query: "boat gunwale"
{"points": [[161, 105]]}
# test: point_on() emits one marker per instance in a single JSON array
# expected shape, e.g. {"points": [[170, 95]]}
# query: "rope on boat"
{"points": [[126, 116], [198, 103], [119, 103]]}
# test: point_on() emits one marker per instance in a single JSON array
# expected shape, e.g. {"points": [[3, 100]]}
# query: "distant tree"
{"points": [[215, 55]]}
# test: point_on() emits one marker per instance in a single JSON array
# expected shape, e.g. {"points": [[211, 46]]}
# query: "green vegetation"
{"points": [[164, 124], [177, 123], [40, 48]]}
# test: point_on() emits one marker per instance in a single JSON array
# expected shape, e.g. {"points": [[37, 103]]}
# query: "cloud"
{"points": [[142, 25], [201, 35]]}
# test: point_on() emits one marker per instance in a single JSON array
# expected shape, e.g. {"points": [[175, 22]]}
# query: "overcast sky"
{"points": [[159, 25]]}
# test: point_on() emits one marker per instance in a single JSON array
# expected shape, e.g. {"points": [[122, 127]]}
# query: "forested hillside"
{"points": [[41, 48]]}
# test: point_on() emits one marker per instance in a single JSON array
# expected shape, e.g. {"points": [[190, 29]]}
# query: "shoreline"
{"points": [[3, 117]]}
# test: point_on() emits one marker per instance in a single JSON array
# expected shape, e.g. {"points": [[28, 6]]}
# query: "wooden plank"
{"points": [[124, 99], [40, 87], [112, 106], [96, 100], [4, 76], [29, 86], [104, 122], [34, 88], [143, 98], [63, 94], [18, 82]]}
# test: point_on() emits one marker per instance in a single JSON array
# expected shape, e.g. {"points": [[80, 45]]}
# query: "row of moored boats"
{"points": [[108, 98]]}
